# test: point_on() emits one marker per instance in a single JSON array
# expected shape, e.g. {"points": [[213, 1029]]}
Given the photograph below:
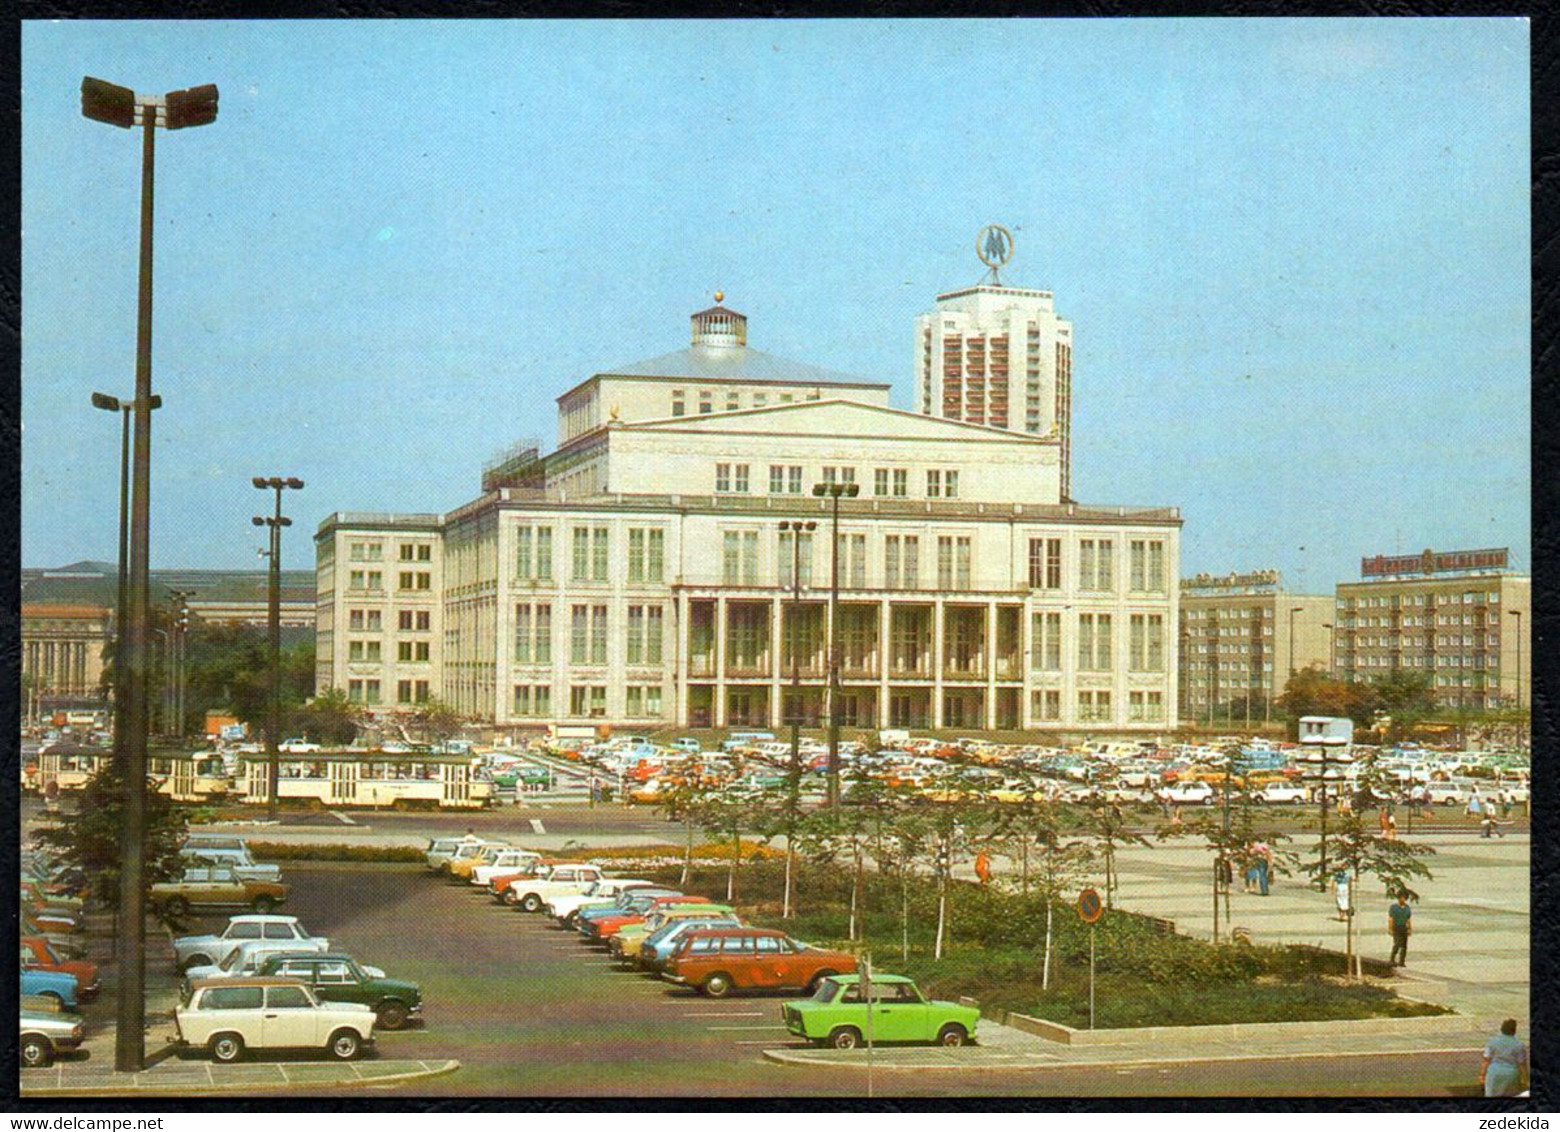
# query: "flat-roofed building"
{"points": [[639, 575], [1462, 618]]}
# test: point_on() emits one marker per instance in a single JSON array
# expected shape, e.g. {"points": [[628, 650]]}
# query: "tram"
{"points": [[379, 779]]}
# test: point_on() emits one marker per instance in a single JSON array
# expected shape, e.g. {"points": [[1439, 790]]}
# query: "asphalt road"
{"points": [[529, 1011]]}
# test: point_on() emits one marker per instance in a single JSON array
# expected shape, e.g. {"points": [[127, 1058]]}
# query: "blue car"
{"points": [[660, 944], [50, 984]]}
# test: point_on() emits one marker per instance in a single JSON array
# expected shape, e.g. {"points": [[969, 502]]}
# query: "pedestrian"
{"points": [[1391, 828], [1475, 805], [1400, 925], [1384, 817], [1262, 858], [983, 867], [1175, 815], [1341, 887], [1505, 1069], [1505, 807], [1250, 876], [1490, 825]]}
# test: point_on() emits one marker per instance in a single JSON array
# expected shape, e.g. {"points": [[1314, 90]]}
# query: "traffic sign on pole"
{"points": [[1089, 907]]}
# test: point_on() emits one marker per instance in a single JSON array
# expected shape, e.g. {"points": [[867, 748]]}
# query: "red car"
{"points": [[719, 960], [37, 953], [599, 931]]}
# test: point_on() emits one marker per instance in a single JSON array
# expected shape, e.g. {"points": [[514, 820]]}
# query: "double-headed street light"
{"points": [[835, 491], [276, 522], [796, 528], [123, 107], [121, 612]]}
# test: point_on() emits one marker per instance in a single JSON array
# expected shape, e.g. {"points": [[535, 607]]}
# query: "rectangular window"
{"points": [[800, 556], [424, 580], [1094, 642], [355, 619], [739, 478], [375, 580], [425, 552], [901, 483], [404, 620], [376, 620], [655, 556], [371, 691], [355, 691], [934, 484], [598, 634], [635, 641], [408, 552], [706, 405], [731, 558], [579, 702], [403, 692], [857, 546], [636, 555], [733, 401], [1045, 563], [654, 631], [950, 484], [944, 562], [424, 620], [912, 563], [633, 700], [1096, 565], [544, 554], [523, 559], [579, 634], [1094, 706], [523, 638], [420, 691], [961, 563], [599, 550], [422, 650], [598, 701], [722, 478], [679, 404], [403, 650], [1047, 704], [794, 479], [880, 481], [1147, 566], [776, 479], [891, 562], [1046, 648], [581, 561], [522, 699], [1146, 633], [407, 579]]}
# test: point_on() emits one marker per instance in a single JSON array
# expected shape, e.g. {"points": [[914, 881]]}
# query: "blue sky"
{"points": [[1295, 253]]}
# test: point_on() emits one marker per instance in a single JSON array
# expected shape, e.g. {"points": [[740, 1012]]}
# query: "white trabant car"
{"points": [[505, 860], [239, 860], [562, 908], [1187, 794], [1279, 793], [229, 1017], [210, 950], [532, 893], [441, 849]]}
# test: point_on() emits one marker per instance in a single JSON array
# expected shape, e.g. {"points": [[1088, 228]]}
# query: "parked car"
{"points": [[65, 945], [56, 985], [1283, 792], [216, 886], [45, 1035], [245, 959], [297, 747], [626, 943], [461, 867], [337, 977], [36, 952], [627, 903], [717, 961], [463, 851], [1194, 793], [835, 1014], [532, 894], [441, 849], [232, 1016], [238, 860], [658, 946], [599, 929], [210, 950], [564, 908], [507, 861]]}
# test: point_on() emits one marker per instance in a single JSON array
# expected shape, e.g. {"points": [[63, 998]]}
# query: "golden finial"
{"points": [[720, 296]]}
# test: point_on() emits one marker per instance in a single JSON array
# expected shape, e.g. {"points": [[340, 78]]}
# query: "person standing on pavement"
{"points": [[1504, 1073], [1341, 887], [1475, 805], [1262, 858], [1400, 924]]}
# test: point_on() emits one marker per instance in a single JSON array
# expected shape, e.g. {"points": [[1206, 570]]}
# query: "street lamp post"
{"points": [[121, 609], [181, 626], [1332, 644], [796, 528], [276, 522], [1517, 613], [1294, 609], [834, 491], [121, 106]]}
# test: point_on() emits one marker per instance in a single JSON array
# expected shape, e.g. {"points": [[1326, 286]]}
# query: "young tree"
{"points": [[1107, 828], [90, 839], [330, 718], [437, 721], [1038, 822]]}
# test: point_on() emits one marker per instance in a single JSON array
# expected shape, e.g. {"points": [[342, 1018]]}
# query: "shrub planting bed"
{"points": [[993, 952]]}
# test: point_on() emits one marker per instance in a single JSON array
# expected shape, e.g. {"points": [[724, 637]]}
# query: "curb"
{"points": [[1055, 1061], [449, 1066]]}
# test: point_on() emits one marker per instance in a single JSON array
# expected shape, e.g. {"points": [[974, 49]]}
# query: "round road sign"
{"points": [[1089, 907]]}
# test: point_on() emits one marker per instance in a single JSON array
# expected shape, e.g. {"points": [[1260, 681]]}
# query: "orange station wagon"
{"points": [[718, 960]]}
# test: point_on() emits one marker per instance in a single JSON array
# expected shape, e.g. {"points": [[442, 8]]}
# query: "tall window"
{"points": [[953, 563], [880, 481], [644, 634], [581, 560], [1094, 641], [1094, 707], [776, 479], [1147, 566], [646, 555], [1045, 563], [950, 484], [961, 563], [1096, 565], [800, 557], [901, 483], [599, 549], [739, 558], [1047, 704], [731, 478], [579, 635], [911, 565], [944, 563], [891, 560], [598, 634], [524, 561], [1046, 649], [854, 553], [679, 404], [1147, 646], [523, 634], [934, 484]]}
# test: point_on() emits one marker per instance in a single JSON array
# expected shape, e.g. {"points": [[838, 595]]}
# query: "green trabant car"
{"points": [[836, 1016], [336, 977]]}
